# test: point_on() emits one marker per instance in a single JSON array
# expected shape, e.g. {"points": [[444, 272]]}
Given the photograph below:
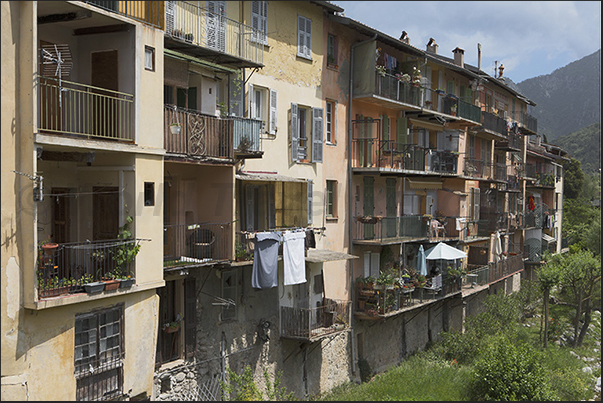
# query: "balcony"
{"points": [[310, 324], [534, 218], [72, 109], [148, 12], [389, 86], [204, 33], [247, 137], [66, 269], [495, 271], [196, 244], [475, 168], [494, 123], [529, 122], [389, 230], [199, 136]]}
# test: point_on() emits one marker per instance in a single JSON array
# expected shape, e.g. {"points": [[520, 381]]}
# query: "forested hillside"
{"points": [[584, 145]]}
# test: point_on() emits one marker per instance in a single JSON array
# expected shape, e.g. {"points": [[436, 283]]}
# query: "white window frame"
{"points": [[259, 21], [149, 58], [267, 107], [331, 122], [304, 37], [309, 122], [331, 199]]}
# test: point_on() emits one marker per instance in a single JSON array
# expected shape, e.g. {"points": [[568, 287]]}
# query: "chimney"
{"points": [[432, 47], [459, 57], [404, 38], [479, 57]]}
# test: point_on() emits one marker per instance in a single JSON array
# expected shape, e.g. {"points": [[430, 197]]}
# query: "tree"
{"points": [[573, 178], [579, 274], [548, 277]]}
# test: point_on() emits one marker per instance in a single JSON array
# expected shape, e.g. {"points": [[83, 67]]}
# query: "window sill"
{"points": [[333, 67], [330, 144], [332, 219], [304, 57]]}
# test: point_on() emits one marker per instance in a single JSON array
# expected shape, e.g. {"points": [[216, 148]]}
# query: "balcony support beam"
{"points": [[52, 18], [101, 30]]}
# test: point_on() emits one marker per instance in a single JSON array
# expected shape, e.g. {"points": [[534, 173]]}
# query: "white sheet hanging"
{"points": [[294, 260]]}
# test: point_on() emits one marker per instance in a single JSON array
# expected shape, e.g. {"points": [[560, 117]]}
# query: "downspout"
{"points": [[351, 198]]}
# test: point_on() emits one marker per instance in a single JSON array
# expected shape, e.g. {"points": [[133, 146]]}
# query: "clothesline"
{"points": [[284, 229]]}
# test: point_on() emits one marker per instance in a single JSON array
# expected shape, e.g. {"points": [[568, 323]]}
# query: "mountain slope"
{"points": [[584, 145], [568, 99]]}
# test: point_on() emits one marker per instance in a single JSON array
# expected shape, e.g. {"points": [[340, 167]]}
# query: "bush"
{"points": [[508, 370], [460, 347]]}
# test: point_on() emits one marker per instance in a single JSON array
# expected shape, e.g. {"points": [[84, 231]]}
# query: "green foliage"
{"points": [[584, 145], [366, 372], [580, 222], [573, 178], [243, 387], [125, 253], [508, 370]]}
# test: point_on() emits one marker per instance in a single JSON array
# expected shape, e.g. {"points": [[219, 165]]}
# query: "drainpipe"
{"points": [[350, 195]]}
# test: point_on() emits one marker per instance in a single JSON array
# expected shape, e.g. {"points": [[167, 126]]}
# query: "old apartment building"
{"points": [[195, 186]]}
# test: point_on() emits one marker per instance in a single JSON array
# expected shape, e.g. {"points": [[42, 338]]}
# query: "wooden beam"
{"points": [[101, 30], [66, 156], [52, 18]]}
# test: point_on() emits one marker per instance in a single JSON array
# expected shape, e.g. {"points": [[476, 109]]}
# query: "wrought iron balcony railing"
{"points": [[375, 153], [247, 134], [311, 323], [529, 122], [476, 168], [69, 108], [186, 244], [199, 135], [212, 30], [67, 268], [494, 123], [148, 12], [388, 228]]}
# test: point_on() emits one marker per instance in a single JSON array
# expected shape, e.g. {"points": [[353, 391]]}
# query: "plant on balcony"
{"points": [[188, 37], [241, 253], [331, 61], [223, 109], [385, 280], [405, 78], [245, 144], [380, 70], [416, 76], [172, 327], [368, 219], [453, 110], [125, 253]]}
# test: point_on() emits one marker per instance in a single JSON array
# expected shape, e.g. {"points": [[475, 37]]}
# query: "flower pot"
{"points": [[111, 284], [55, 292], [175, 129], [126, 283], [95, 287], [50, 247]]}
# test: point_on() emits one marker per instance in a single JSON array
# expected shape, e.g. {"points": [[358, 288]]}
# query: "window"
{"points": [[149, 193], [259, 21], [371, 264], [331, 199], [149, 58], [177, 303], [275, 205], [306, 133], [331, 122], [304, 37], [229, 294], [181, 97], [99, 354], [309, 197], [331, 50], [262, 106]]}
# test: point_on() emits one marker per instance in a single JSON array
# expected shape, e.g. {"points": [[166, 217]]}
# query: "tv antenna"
{"points": [[57, 62]]}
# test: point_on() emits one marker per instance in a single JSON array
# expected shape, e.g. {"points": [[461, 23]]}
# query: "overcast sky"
{"points": [[530, 38]]}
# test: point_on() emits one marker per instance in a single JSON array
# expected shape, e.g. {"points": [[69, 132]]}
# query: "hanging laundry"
{"points": [[265, 260], [294, 259], [459, 223], [310, 239]]}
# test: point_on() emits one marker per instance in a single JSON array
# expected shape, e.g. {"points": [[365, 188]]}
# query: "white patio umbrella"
{"points": [[445, 252], [421, 262]]}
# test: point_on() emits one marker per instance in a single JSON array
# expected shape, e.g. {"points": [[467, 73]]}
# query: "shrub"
{"points": [[508, 370]]}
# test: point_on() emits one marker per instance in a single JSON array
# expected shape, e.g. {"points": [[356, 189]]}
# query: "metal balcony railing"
{"points": [[381, 229], [207, 29], [389, 86], [247, 134], [529, 122], [494, 123], [495, 271], [69, 108], [469, 111], [535, 218], [67, 268], [476, 168], [306, 323], [148, 12], [375, 153], [199, 135], [443, 161], [186, 244]]}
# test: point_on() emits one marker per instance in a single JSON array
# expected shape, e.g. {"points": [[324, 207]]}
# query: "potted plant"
{"points": [[368, 219], [175, 128], [172, 327], [94, 287], [124, 254], [111, 280], [380, 70], [126, 281], [453, 110], [440, 92], [245, 144]]}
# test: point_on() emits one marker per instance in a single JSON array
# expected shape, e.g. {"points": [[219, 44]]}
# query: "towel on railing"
{"points": [[294, 257], [265, 260], [310, 239]]}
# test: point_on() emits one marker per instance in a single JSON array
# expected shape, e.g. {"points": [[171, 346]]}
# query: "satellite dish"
{"points": [[56, 62]]}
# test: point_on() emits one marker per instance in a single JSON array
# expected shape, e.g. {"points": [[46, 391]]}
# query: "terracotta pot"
{"points": [[111, 284], [171, 329]]}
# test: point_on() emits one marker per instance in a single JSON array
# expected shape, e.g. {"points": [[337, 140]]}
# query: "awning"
{"points": [[548, 238], [201, 63], [266, 177], [416, 184], [325, 255]]}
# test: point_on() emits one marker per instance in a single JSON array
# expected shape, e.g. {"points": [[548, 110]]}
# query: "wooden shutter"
{"points": [[251, 102], [308, 48], [255, 19], [475, 202], [249, 207], [369, 199], [450, 87], [317, 133], [310, 183], [385, 128], [427, 83], [264, 22], [334, 122], [301, 35], [401, 133], [272, 113], [190, 313], [294, 133]]}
